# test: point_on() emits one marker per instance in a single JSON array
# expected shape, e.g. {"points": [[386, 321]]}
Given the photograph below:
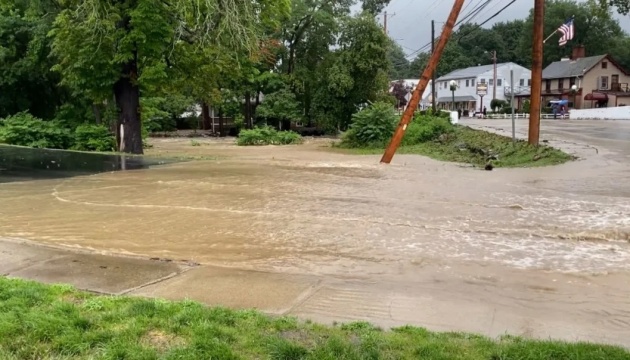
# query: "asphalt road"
{"points": [[612, 135]]}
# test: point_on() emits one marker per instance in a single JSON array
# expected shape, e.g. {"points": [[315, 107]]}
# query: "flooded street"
{"points": [[524, 233]]}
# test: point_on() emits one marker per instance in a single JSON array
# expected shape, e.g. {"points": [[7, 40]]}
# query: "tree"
{"points": [[623, 6], [355, 74], [280, 105], [400, 91], [399, 65], [26, 82], [596, 29], [124, 46]]}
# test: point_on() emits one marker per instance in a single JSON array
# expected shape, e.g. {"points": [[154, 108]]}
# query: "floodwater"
{"points": [[308, 210], [316, 211]]}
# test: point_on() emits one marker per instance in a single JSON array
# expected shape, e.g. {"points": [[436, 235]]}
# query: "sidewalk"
{"points": [[479, 299]]}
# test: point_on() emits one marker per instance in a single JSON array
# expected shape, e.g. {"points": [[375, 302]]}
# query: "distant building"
{"points": [[599, 81], [467, 79], [410, 85]]}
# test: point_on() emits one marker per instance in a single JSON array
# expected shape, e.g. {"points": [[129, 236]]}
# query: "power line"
{"points": [[471, 17], [467, 19]]}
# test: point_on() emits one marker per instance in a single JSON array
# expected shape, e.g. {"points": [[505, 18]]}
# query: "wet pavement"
{"points": [[20, 164], [305, 231]]}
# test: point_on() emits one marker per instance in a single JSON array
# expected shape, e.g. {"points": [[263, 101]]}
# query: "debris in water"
{"points": [[489, 167]]}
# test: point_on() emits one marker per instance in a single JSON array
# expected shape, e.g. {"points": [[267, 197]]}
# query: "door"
{"points": [[614, 82]]}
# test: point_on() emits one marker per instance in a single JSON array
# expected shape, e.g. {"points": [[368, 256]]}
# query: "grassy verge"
{"points": [[466, 145], [56, 322]]}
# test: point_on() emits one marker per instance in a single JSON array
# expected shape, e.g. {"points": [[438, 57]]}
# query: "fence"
{"points": [[526, 116]]}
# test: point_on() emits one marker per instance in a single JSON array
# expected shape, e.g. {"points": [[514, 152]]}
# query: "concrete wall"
{"points": [[608, 113]]}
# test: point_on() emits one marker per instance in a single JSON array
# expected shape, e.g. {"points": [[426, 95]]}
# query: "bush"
{"points": [[89, 137], [372, 126], [425, 128], [25, 130], [267, 135]]}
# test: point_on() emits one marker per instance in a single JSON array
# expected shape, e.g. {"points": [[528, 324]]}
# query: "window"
{"points": [[604, 65], [483, 81], [603, 82], [491, 81], [529, 82], [560, 84], [614, 83], [467, 83], [472, 82], [571, 82], [522, 82], [548, 85], [499, 81]]}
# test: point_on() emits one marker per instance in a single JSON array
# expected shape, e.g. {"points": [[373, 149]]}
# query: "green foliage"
{"points": [[526, 106], [425, 128], [267, 135], [372, 126], [25, 130], [496, 104], [280, 105], [93, 138]]}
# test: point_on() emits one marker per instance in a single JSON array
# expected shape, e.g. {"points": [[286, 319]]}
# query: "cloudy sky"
{"points": [[410, 25]]}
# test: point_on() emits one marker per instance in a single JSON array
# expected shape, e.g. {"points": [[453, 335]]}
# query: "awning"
{"points": [[464, 98], [596, 96]]}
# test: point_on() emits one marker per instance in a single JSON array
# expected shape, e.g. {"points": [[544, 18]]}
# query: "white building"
{"points": [[466, 97], [410, 85]]}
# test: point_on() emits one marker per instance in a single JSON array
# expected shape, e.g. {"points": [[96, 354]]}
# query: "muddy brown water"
{"points": [[311, 211]]}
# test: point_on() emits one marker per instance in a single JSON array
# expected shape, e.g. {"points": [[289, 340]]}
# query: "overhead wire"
{"points": [[467, 19]]}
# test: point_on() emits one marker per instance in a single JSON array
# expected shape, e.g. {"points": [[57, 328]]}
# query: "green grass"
{"points": [[466, 145], [57, 322]]}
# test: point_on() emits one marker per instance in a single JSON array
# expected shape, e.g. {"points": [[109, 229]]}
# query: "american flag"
{"points": [[568, 30]]}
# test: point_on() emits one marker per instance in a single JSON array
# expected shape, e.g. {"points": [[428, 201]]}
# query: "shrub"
{"points": [[267, 135], [371, 126], [89, 137], [425, 128], [23, 129]]}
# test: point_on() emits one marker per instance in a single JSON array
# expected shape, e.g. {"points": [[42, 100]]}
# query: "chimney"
{"points": [[578, 52]]}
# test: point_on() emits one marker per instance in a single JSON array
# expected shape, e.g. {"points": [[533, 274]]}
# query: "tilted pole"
{"points": [[537, 62], [424, 80], [433, 95]]}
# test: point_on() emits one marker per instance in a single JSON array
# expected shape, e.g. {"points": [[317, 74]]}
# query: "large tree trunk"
{"points": [[205, 114], [248, 110], [127, 96], [97, 113], [221, 130]]}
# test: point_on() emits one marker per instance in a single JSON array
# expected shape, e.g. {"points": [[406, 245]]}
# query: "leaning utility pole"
{"points": [[424, 80], [537, 60]]}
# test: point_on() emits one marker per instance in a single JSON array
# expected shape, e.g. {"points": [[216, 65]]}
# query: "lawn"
{"points": [[57, 322], [477, 147]]}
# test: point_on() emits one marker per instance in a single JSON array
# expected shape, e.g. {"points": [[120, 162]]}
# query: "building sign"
{"points": [[482, 89]]}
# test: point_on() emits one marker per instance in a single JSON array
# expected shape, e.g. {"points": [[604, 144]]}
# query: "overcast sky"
{"points": [[410, 25]]}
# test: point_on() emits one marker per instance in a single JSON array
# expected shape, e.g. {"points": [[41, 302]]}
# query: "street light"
{"points": [[453, 87], [574, 89]]}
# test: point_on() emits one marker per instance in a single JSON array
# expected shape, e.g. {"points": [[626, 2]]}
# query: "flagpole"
{"points": [[548, 37]]}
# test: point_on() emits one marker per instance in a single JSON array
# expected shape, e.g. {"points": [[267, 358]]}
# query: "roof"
{"points": [[448, 99], [570, 68], [472, 71]]}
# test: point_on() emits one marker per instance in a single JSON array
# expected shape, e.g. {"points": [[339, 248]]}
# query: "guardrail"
{"points": [[524, 116]]}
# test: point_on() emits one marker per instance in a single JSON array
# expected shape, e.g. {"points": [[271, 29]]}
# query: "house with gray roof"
{"points": [[586, 82], [467, 80]]}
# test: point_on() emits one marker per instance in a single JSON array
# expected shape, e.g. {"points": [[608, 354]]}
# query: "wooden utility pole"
{"points": [[494, 61], [433, 99], [385, 21], [424, 80], [537, 61]]}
